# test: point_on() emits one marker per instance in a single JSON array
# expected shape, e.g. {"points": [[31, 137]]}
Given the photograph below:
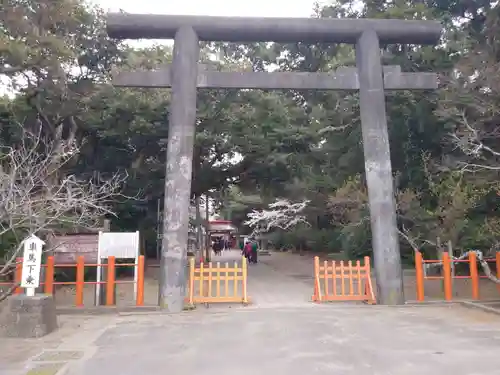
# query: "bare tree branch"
{"points": [[8, 292], [486, 268], [37, 196]]}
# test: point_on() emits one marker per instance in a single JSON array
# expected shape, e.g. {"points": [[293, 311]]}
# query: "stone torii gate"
{"points": [[369, 77]]}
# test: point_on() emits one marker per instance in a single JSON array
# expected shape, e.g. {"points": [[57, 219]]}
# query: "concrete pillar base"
{"points": [[28, 317]]}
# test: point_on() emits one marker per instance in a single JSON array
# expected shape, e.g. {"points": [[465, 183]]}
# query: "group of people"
{"points": [[250, 249], [220, 244]]}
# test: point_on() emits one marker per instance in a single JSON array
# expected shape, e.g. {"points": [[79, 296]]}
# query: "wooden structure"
{"points": [[337, 281], [218, 284], [49, 283], [68, 246], [447, 276], [221, 228]]}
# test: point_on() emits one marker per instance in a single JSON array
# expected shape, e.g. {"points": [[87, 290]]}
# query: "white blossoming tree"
{"points": [[282, 214]]}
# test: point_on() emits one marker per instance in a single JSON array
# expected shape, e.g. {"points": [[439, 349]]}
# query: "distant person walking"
{"points": [[254, 252], [247, 251], [218, 245]]}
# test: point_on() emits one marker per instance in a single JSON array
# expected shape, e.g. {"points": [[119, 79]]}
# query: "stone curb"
{"points": [[132, 310], [480, 306]]}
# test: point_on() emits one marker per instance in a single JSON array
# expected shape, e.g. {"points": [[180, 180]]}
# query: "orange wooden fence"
{"points": [[217, 284], [337, 281], [447, 276], [17, 269], [49, 283]]}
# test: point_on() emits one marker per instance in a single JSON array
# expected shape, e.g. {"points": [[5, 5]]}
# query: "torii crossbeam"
{"points": [[185, 75]]}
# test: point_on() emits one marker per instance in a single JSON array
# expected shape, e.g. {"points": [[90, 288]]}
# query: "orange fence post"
{"points": [[18, 275], [316, 279], [235, 283], [448, 294], [202, 280], [244, 279], [217, 280], [191, 280], [498, 268], [474, 275], [342, 279], [140, 281], [325, 277], [80, 280], [49, 276], [419, 274], [334, 279], [359, 278], [351, 279], [371, 294], [110, 282], [210, 280]]}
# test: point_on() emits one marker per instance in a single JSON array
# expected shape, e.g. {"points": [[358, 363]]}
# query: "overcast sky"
{"points": [[250, 8]]}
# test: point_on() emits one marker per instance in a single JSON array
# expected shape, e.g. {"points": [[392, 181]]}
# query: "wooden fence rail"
{"points": [[219, 284], [337, 281], [12, 274], [447, 275], [49, 281]]}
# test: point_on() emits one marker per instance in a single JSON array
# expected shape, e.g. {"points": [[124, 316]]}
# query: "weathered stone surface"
{"points": [[277, 29], [377, 154], [181, 134], [345, 78], [28, 317]]}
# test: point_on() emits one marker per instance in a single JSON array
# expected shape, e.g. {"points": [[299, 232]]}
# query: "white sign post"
{"points": [[32, 263]]}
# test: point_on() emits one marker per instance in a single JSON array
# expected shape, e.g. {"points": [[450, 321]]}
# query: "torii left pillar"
{"points": [[181, 133]]}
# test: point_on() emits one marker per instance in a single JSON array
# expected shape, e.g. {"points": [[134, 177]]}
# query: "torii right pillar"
{"points": [[385, 241]]}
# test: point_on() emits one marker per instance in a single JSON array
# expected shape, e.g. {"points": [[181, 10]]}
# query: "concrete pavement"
{"points": [[296, 340], [268, 288], [280, 333]]}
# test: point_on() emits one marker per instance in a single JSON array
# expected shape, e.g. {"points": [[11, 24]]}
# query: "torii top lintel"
{"points": [[247, 29]]}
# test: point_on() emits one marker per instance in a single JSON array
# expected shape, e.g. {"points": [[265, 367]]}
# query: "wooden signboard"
{"points": [[67, 248]]}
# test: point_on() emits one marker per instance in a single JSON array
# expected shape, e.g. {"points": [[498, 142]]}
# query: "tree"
{"points": [[254, 147], [53, 52], [38, 197], [469, 101], [282, 214]]}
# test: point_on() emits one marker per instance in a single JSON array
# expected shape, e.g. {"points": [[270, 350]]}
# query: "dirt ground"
{"points": [[291, 264]]}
